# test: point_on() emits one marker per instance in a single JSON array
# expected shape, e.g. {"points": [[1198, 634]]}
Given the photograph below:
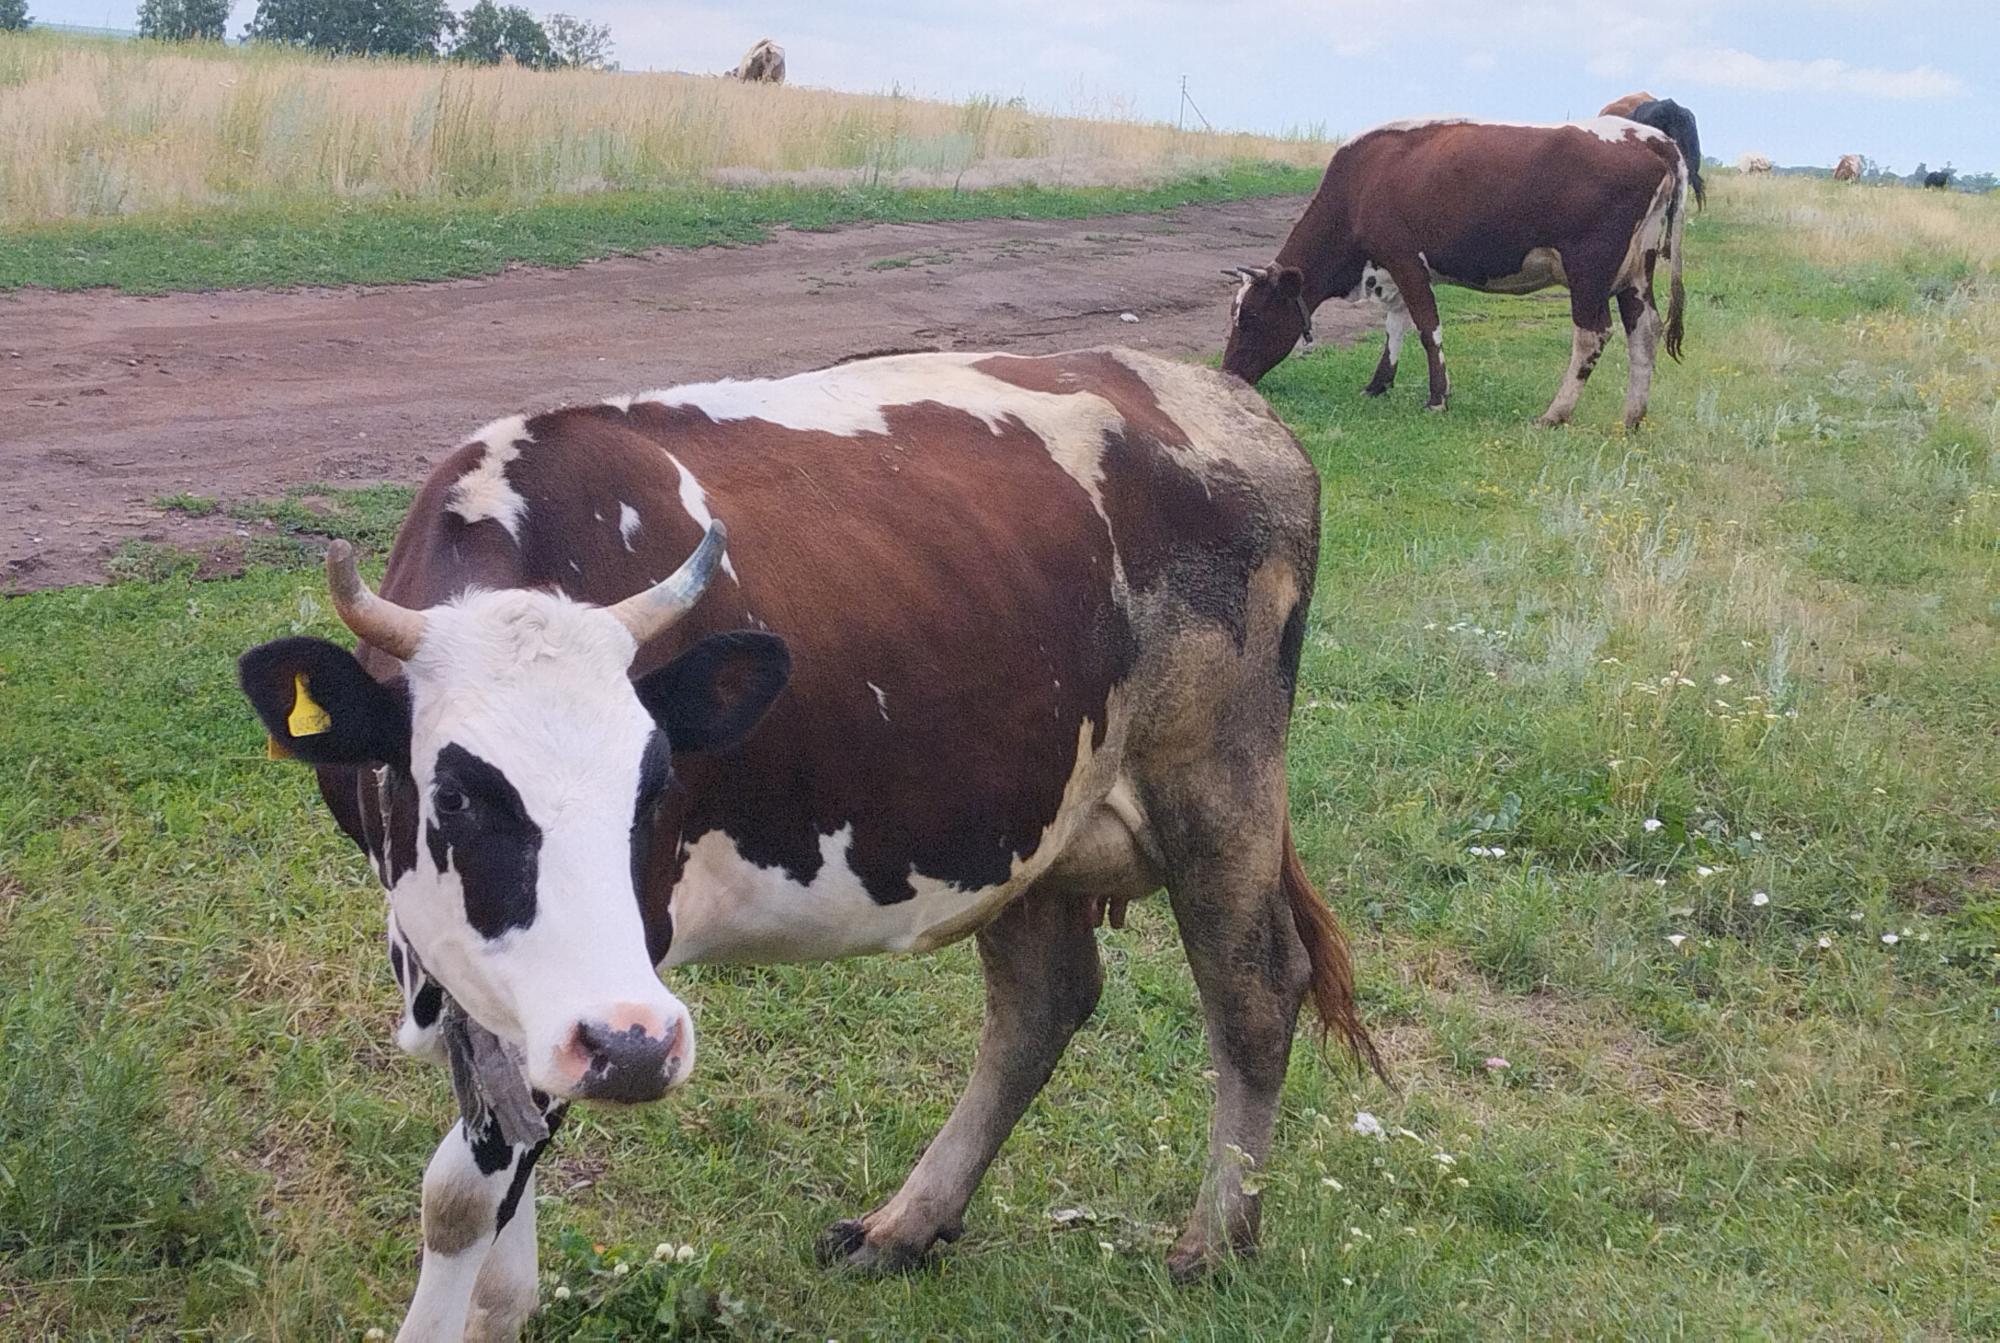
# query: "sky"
{"points": [[1803, 81]]}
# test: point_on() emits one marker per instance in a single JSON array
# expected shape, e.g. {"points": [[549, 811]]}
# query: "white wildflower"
{"points": [[1495, 1064], [1759, 899], [1704, 872], [1825, 943], [375, 1333], [1890, 939], [1107, 1247], [562, 1293], [664, 1250], [1676, 938], [1652, 823], [1445, 1159], [1461, 1182], [620, 1270], [1757, 835], [1368, 1126], [685, 1254], [1331, 1183], [1723, 678]]}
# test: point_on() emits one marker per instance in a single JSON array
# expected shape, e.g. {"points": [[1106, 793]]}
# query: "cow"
{"points": [[993, 645], [1848, 169], [1669, 117], [1754, 163], [764, 63], [1939, 180], [1624, 107], [1506, 209]]}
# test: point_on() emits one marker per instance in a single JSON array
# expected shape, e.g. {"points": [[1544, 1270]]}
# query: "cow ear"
{"points": [[1291, 280], [321, 707], [710, 697]]}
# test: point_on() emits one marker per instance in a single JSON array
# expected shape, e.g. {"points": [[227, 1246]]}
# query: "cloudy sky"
{"points": [[1801, 80]]}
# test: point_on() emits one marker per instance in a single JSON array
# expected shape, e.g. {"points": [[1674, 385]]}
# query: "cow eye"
{"points": [[451, 801]]}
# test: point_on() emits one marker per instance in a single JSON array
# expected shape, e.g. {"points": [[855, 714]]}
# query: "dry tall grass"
{"points": [[1841, 223], [96, 128]]}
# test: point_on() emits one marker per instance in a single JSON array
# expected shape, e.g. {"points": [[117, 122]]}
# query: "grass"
{"points": [[394, 242], [108, 129], [1767, 622]]}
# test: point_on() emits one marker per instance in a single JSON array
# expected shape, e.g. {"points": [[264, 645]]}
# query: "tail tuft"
{"points": [[1676, 292], [1332, 984]]}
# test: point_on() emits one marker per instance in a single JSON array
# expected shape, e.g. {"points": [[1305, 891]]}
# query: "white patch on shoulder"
{"points": [[484, 491], [695, 500], [628, 523], [881, 699], [808, 401]]}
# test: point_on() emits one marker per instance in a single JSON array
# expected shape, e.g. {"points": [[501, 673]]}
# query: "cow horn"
{"points": [[651, 612], [396, 630]]}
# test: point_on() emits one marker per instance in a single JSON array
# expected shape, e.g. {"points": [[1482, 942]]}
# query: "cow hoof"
{"points": [[845, 1246], [1551, 421], [1632, 422], [1434, 405], [1189, 1263], [1372, 390]]}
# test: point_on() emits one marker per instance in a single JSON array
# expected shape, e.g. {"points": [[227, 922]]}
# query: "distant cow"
{"points": [[762, 64], [1938, 180], [1669, 117], [1848, 169], [1754, 163], [1026, 634], [1622, 107], [1506, 209]]}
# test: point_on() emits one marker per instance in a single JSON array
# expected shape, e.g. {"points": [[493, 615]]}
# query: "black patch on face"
{"points": [[484, 828], [490, 1152], [440, 851]]}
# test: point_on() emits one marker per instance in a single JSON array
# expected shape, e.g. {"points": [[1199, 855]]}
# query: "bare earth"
{"points": [[109, 402]]}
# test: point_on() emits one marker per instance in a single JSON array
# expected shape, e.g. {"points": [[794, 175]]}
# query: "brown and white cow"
{"points": [[1848, 169], [1625, 106], [764, 63], [1023, 637], [1501, 208]]}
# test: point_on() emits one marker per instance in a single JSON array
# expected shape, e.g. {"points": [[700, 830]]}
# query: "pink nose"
{"points": [[627, 1056]]}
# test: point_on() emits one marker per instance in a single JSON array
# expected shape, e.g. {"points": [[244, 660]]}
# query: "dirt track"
{"points": [[109, 402]]}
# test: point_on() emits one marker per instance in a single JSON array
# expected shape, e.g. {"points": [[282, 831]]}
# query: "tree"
{"points": [[183, 20], [356, 27], [579, 42], [488, 32], [14, 15]]}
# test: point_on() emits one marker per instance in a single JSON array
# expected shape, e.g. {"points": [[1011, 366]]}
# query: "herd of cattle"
{"points": [[989, 646]]}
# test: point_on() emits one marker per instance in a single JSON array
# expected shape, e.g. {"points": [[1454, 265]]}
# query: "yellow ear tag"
{"points": [[306, 719]]}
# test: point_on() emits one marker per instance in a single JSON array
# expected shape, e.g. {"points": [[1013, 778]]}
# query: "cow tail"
{"points": [[1676, 293], [1332, 982]]}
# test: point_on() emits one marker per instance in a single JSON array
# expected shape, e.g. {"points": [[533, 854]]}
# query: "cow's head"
{"points": [[1266, 319], [535, 764]]}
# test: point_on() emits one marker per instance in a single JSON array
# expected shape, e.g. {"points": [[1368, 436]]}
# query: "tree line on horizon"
{"points": [[485, 34]]}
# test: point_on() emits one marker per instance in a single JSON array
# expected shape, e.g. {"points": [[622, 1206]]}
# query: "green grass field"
{"points": [[1751, 1049], [332, 243]]}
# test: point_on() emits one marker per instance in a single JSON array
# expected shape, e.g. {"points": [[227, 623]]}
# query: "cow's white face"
{"points": [[536, 764]]}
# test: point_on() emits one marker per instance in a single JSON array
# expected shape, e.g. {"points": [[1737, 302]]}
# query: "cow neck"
{"points": [[1317, 245]]}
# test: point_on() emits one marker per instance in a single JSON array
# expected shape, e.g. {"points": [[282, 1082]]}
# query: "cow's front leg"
{"points": [[478, 1275], [1042, 982]]}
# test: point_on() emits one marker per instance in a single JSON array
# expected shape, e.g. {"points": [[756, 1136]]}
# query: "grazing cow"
{"points": [[762, 64], [1848, 169], [1939, 180], [1025, 635], [1501, 208], [1754, 163]]}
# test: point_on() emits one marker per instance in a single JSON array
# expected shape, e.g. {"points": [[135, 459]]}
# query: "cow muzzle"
{"points": [[632, 1054]]}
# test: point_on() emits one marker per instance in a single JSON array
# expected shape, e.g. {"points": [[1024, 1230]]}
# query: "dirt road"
{"points": [[109, 402]]}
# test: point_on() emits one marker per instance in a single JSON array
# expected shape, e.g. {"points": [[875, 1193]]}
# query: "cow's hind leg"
{"points": [[1225, 840], [1397, 324], [1590, 312], [478, 1275], [1042, 983], [1642, 341]]}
